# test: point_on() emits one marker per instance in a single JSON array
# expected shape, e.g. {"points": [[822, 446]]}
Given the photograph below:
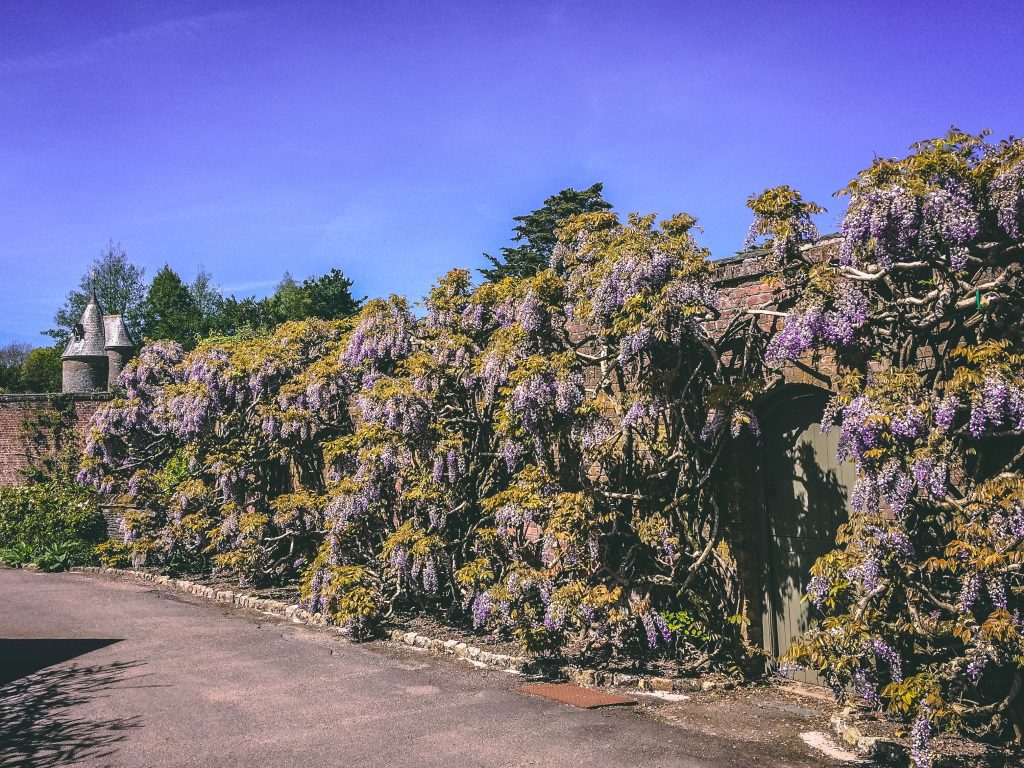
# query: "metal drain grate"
{"points": [[584, 698]]}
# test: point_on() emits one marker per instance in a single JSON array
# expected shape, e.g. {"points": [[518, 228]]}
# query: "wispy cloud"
{"points": [[249, 287], [107, 47]]}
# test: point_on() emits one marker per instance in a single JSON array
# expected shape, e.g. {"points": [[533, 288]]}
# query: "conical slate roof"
{"points": [[88, 338], [115, 333]]}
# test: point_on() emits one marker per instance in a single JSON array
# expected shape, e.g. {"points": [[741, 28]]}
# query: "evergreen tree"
{"points": [[244, 316], [536, 233], [169, 310], [119, 286], [329, 296]]}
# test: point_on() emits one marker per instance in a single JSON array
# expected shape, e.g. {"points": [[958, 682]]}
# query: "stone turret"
{"points": [[118, 346], [84, 360]]}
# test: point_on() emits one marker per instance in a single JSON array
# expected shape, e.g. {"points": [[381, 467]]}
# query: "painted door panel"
{"points": [[806, 493]]}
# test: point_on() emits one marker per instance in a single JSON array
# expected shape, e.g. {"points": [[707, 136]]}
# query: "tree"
{"points": [[537, 232], [289, 301], [41, 370], [169, 310], [119, 286], [329, 296], [11, 357], [209, 303], [244, 316]]}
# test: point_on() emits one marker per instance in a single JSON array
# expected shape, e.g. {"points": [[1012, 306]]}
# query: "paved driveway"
{"points": [[101, 672]]}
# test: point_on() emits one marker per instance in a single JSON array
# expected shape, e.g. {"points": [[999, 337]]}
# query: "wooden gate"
{"points": [[806, 492]]}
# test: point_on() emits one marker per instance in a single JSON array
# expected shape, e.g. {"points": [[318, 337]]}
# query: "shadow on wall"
{"points": [[38, 724]]}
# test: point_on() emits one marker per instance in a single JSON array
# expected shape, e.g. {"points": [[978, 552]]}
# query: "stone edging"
{"points": [[591, 678], [851, 731]]}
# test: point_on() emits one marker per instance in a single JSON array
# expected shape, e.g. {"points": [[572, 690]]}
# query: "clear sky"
{"points": [[396, 140]]}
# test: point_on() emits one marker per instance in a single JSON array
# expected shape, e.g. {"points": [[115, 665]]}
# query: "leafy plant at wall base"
{"points": [[61, 555], [18, 553]]}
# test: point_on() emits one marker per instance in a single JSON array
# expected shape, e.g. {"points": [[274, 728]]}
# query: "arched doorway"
{"points": [[806, 498]]}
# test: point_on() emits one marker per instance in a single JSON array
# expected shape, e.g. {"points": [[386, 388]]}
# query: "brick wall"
{"points": [[16, 409]]}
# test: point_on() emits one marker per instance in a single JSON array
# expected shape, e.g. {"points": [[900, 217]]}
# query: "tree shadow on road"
{"points": [[39, 725]]}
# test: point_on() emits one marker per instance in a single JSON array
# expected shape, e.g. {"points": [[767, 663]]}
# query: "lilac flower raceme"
{"points": [[655, 628], [383, 335], [884, 652], [818, 589], [975, 667], [865, 688], [887, 217], [1007, 196], [920, 741], [970, 592], [814, 325]]}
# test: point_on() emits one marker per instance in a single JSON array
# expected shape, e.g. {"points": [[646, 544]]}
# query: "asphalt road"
{"points": [[101, 672]]}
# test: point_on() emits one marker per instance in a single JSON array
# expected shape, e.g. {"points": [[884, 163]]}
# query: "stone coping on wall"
{"points": [[441, 646], [48, 397]]}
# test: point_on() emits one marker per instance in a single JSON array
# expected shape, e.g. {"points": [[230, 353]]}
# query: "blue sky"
{"points": [[397, 140]]}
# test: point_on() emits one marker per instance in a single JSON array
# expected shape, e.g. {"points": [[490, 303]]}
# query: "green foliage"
{"points": [[119, 286], [347, 595], [170, 311], [537, 232], [11, 358], [64, 554], [50, 524], [52, 442], [326, 297], [18, 553], [329, 297], [114, 553], [209, 304], [41, 371]]}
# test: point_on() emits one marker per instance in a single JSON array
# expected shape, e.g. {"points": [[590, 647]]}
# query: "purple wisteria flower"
{"points": [[885, 217], [920, 741], [806, 328], [969, 593], [817, 589], [864, 688], [655, 628], [976, 666], [482, 609], [1007, 196], [884, 652]]}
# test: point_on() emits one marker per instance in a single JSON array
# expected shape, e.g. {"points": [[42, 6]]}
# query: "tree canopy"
{"points": [[169, 310], [119, 285], [537, 232]]}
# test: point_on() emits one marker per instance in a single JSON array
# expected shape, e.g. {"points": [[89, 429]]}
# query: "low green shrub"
{"points": [[50, 524], [114, 553]]}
